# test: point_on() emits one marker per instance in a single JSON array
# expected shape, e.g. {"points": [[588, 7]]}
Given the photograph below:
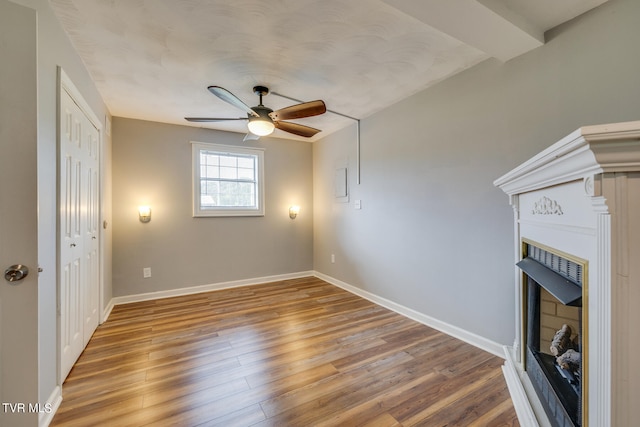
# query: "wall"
{"points": [[434, 234], [152, 166], [54, 49]]}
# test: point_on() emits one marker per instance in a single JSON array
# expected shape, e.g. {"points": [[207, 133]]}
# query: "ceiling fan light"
{"points": [[261, 127]]}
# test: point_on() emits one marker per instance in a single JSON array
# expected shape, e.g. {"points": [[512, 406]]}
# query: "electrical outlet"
{"points": [[358, 204], [333, 258], [146, 272]]}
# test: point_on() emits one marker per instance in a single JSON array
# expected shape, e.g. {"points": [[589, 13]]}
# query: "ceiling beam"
{"points": [[487, 26]]}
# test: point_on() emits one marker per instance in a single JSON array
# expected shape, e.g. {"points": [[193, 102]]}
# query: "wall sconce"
{"points": [[144, 213], [294, 211]]}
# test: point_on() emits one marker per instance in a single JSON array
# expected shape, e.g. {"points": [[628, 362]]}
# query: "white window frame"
{"points": [[198, 210]]}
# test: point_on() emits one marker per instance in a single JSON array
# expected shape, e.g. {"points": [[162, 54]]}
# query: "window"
{"points": [[227, 180]]}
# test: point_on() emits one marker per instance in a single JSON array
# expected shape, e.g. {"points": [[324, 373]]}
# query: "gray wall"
{"points": [[54, 49], [152, 166], [434, 234]]}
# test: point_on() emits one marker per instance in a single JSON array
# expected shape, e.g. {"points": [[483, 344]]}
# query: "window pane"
{"points": [[228, 173], [228, 181], [236, 194], [208, 158], [209, 193], [247, 192], [246, 162], [228, 161], [211, 172], [246, 174]]}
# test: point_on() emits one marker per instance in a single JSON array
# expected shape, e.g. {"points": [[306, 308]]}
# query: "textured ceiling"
{"points": [[153, 59]]}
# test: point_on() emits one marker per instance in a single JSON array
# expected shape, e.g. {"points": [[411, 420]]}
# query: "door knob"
{"points": [[16, 273]]}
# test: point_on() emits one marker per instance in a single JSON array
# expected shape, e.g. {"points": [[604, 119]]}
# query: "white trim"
{"points": [[107, 311], [229, 147], [454, 331], [602, 293], [50, 407], [587, 231], [204, 288], [524, 411], [220, 211], [72, 90]]}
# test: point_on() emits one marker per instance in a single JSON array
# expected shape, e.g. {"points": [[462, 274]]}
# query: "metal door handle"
{"points": [[73, 245], [16, 273]]}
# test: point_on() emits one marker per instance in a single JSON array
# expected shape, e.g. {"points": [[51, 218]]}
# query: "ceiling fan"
{"points": [[263, 120]]}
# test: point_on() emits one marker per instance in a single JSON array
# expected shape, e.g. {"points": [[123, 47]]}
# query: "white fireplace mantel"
{"points": [[581, 196], [585, 152]]}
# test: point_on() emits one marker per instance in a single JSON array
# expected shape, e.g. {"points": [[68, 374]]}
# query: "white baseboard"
{"points": [[466, 336], [107, 311], [199, 289], [50, 407]]}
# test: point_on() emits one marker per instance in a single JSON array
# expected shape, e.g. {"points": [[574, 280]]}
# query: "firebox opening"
{"points": [[554, 334]]}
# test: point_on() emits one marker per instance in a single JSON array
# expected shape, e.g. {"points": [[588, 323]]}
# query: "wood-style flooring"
{"points": [[292, 353]]}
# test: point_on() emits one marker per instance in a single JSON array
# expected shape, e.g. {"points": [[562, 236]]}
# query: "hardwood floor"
{"points": [[293, 353]]}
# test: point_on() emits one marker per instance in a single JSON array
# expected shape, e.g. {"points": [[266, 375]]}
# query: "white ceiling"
{"points": [[153, 59]]}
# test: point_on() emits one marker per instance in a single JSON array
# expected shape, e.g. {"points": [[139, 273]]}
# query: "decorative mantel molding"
{"points": [[546, 206]]}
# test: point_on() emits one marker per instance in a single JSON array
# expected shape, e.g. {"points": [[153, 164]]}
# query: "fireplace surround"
{"points": [[579, 199]]}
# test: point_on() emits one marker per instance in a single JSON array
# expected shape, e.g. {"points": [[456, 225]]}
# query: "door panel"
{"points": [[71, 329], [79, 219], [90, 241], [18, 212]]}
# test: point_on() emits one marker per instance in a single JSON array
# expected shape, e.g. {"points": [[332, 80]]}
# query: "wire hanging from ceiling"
{"points": [[343, 115]]}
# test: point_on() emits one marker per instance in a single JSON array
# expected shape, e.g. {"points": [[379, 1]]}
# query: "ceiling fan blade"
{"points": [[227, 96], [250, 137], [299, 111], [296, 129], [211, 119]]}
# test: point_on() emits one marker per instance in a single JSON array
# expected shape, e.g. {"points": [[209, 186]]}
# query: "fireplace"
{"points": [[553, 334], [577, 203]]}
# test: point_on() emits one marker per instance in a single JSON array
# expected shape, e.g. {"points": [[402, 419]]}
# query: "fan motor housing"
{"points": [[262, 111], [261, 90]]}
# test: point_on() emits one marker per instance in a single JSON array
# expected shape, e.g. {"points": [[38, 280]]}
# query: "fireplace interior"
{"points": [[554, 335]]}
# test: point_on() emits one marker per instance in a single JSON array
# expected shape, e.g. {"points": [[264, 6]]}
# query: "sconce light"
{"points": [[293, 211], [144, 213]]}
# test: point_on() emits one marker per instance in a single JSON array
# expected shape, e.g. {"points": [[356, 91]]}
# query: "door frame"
{"points": [[65, 84]]}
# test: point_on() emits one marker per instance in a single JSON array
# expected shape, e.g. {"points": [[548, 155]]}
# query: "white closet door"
{"points": [[91, 221], [79, 217]]}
